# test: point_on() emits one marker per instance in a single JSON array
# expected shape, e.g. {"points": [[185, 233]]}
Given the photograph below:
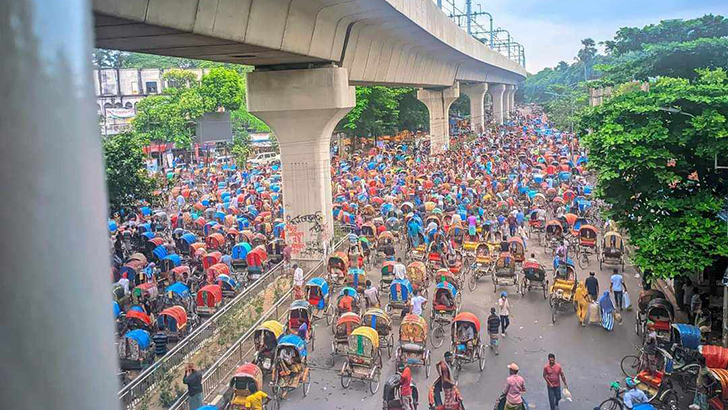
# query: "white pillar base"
{"points": [[438, 104], [476, 93], [497, 92]]}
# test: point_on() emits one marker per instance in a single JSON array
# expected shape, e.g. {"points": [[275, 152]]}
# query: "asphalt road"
{"points": [[590, 356]]}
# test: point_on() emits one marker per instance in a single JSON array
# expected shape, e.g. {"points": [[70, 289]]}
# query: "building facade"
{"points": [[118, 90]]}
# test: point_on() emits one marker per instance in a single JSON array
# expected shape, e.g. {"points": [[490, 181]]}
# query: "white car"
{"points": [[265, 158]]}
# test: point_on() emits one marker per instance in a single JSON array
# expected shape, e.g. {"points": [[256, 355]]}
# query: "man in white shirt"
{"points": [[124, 282], [297, 282], [400, 271], [618, 287], [418, 303]]}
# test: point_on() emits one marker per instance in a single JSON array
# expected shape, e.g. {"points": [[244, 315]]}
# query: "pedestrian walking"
{"points": [[515, 387], [504, 311], [493, 327], [405, 389], [592, 286], [418, 302], [160, 342], [618, 287], [554, 375], [297, 282], [193, 380]]}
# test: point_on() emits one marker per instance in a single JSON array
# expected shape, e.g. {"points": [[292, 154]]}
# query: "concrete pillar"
{"points": [[497, 96], [476, 93], [57, 327], [508, 100], [438, 104], [302, 107]]}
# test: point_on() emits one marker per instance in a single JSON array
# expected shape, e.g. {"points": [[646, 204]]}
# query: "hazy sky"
{"points": [[551, 30]]}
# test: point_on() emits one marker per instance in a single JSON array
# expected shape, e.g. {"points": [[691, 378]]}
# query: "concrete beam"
{"points": [[438, 104], [476, 93], [497, 95], [302, 107]]}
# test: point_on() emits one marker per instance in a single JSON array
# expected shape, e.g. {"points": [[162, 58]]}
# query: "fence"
{"points": [[242, 350], [131, 394]]}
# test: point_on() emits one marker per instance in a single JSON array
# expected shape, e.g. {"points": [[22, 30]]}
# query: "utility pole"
{"points": [[439, 4], [469, 14]]}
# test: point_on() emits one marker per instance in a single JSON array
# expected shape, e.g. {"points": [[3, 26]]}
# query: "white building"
{"points": [[119, 90]]}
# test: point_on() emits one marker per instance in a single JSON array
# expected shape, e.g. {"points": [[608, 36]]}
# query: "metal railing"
{"points": [[131, 394], [242, 350]]}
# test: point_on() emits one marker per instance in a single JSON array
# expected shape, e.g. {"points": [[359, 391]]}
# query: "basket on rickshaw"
{"points": [[412, 350], [357, 279], [644, 298], [299, 313], [208, 300], [534, 276], [612, 250], [380, 321], [444, 309], [387, 275], [483, 265], [466, 349], [342, 329], [504, 272], [317, 295], [418, 277], [135, 350], [517, 249], [290, 368], [337, 266], [246, 380], [391, 396], [265, 339], [363, 359], [400, 293]]}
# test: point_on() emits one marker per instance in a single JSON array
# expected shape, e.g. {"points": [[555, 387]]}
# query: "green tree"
{"points": [[103, 58], [654, 156], [126, 176], [169, 117], [240, 149], [376, 111], [586, 55], [222, 88], [178, 78], [413, 115]]}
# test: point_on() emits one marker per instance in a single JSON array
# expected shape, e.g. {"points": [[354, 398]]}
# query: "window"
{"points": [[128, 105], [134, 87], [151, 87]]}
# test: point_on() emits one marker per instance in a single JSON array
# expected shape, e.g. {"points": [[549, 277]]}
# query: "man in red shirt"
{"points": [[405, 389], [346, 303], [553, 375]]}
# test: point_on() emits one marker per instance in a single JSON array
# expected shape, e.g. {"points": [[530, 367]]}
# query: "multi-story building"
{"points": [[118, 90]]}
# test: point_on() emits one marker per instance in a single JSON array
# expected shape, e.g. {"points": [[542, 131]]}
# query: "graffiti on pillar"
{"points": [[295, 238], [312, 247], [315, 219]]}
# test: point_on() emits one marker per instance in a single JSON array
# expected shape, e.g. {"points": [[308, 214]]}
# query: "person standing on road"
{"points": [[297, 282], [618, 287], [515, 387], [400, 271], [418, 303], [504, 311], [193, 380], [493, 327], [160, 342], [592, 286], [553, 374], [405, 389], [696, 304]]}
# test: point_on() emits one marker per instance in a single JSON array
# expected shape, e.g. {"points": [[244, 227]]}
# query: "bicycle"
{"points": [[668, 400]]}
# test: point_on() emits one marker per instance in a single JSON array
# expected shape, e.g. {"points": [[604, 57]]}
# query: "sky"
{"points": [[551, 30]]}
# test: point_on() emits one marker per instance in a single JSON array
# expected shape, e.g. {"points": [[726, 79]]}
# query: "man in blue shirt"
{"points": [[618, 287], [633, 396]]}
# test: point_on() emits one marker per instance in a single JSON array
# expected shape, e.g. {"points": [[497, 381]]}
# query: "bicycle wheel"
{"points": [[611, 404], [438, 336], [669, 400], [583, 260], [630, 365]]}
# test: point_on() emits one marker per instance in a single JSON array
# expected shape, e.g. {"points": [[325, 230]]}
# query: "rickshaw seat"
{"points": [[413, 347], [653, 379], [443, 308], [662, 325]]}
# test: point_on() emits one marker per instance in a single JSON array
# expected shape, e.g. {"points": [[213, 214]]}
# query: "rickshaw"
{"points": [[442, 314], [355, 306], [317, 295], [266, 338], [337, 266], [660, 315], [342, 329], [173, 322], [137, 319], [418, 252], [357, 279], [400, 293], [228, 285], [656, 380], [208, 300], [718, 396], [418, 277], [554, 235], [517, 249], [466, 349], [536, 223], [385, 238], [685, 340], [391, 397], [300, 313], [387, 275], [434, 256], [215, 242], [380, 321], [135, 350], [290, 369], [482, 266], [504, 271], [445, 275], [640, 317], [363, 359], [369, 231], [255, 259], [587, 244], [612, 250], [412, 350], [562, 292], [534, 274], [246, 380]]}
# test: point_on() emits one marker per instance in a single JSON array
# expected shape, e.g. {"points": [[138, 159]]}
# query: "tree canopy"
{"points": [[654, 156], [127, 180]]}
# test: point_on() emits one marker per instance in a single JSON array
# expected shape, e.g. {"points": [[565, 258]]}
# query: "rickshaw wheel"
{"points": [[481, 357], [600, 264], [307, 384], [473, 281], [345, 377], [611, 404], [630, 365], [374, 380], [583, 260], [329, 315], [428, 364], [495, 284], [390, 345], [670, 399], [551, 300], [554, 308], [438, 336], [545, 284]]}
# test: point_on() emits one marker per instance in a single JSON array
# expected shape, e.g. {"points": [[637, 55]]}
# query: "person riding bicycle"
{"points": [[633, 396]]}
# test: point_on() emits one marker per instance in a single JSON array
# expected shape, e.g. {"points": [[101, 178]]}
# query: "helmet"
{"points": [[504, 294], [631, 382]]}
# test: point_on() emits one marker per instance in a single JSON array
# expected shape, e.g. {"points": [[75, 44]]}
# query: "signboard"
{"points": [[123, 113], [214, 127]]}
